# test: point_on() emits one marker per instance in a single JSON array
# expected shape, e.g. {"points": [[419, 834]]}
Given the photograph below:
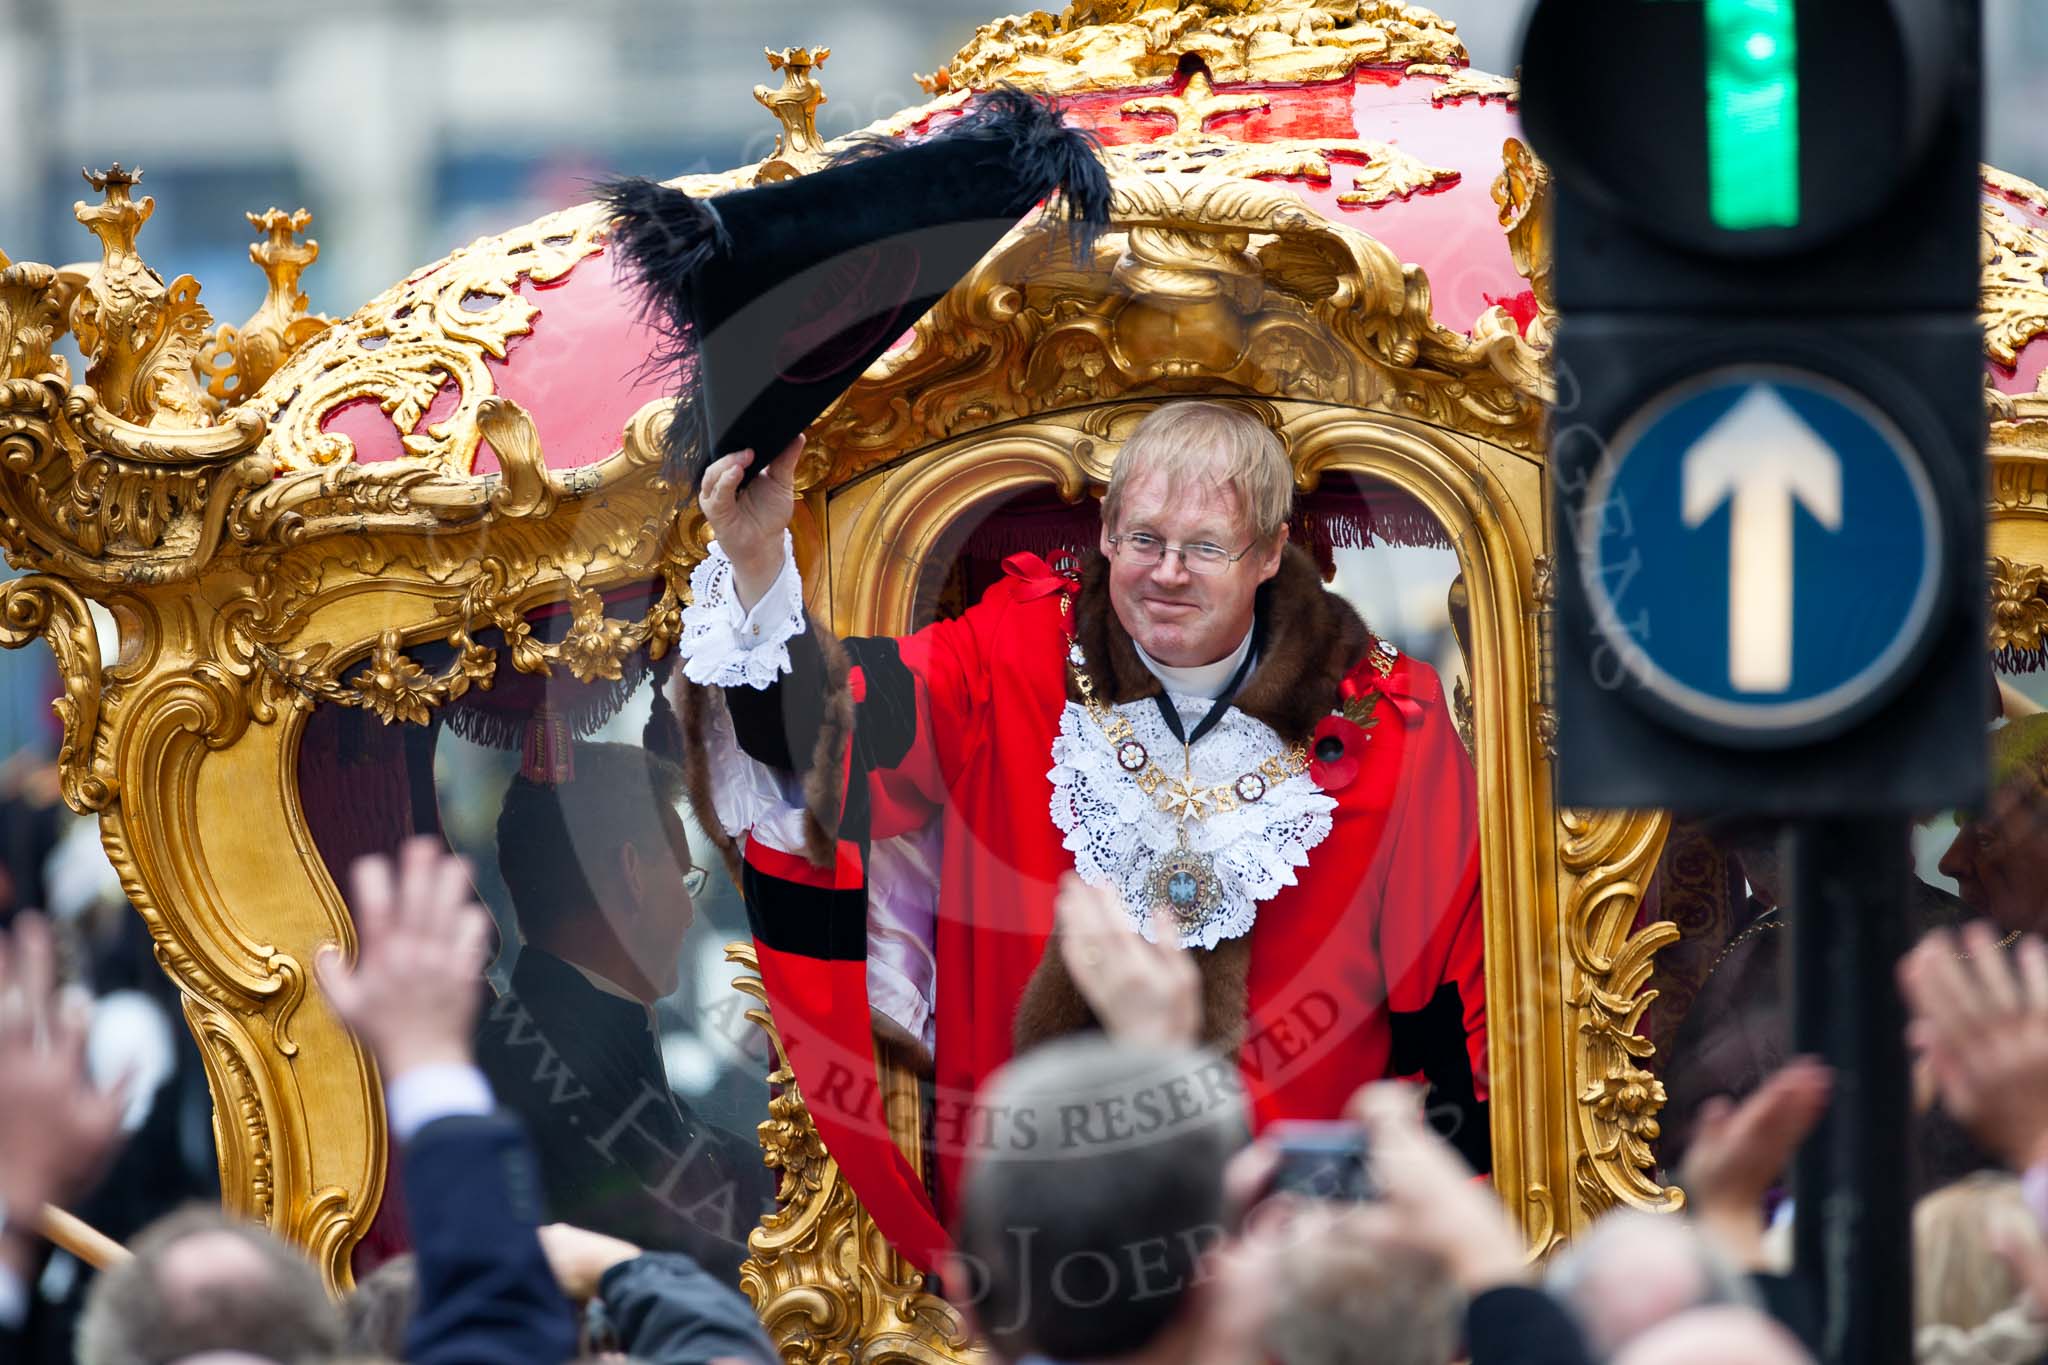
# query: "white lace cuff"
{"points": [[724, 646]]}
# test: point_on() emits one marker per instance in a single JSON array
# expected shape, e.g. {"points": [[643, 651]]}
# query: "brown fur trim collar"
{"points": [[1311, 638], [695, 719]]}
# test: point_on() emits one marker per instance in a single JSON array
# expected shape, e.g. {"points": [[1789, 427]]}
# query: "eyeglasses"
{"points": [[1144, 550]]}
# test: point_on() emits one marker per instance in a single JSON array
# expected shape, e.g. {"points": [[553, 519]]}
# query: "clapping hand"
{"points": [[56, 1129], [1741, 1150], [1430, 1190], [1142, 992], [1980, 1028], [412, 993], [748, 521]]}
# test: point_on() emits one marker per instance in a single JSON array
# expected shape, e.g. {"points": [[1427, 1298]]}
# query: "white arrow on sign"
{"points": [[1764, 457]]}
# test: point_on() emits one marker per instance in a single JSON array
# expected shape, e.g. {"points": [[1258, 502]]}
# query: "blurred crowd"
{"points": [[134, 1037], [1116, 1209]]}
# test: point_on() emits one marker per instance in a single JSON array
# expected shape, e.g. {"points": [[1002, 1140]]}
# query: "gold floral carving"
{"points": [[795, 105], [1229, 283], [434, 329], [1464, 83], [2019, 611], [1610, 856], [236, 360], [1102, 45]]}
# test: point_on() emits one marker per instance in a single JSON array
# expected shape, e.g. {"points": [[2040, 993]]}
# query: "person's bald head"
{"points": [[1633, 1270], [1715, 1336], [201, 1284]]}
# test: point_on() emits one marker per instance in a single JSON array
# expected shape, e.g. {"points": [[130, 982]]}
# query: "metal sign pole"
{"points": [[1852, 1198]]}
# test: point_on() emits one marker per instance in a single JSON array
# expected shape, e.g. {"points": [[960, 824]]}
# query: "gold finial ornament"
{"points": [[798, 149], [143, 336], [236, 360]]}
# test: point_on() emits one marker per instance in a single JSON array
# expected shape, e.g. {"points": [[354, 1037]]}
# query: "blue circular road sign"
{"points": [[1762, 549]]}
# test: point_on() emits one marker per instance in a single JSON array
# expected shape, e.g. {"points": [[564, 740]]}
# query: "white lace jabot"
{"points": [[1117, 833]]}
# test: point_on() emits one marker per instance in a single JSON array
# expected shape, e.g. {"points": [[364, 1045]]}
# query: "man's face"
{"points": [[2000, 858], [1179, 617], [659, 909]]}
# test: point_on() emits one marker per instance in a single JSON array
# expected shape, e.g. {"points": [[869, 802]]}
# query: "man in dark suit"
{"points": [[598, 865], [486, 1293], [490, 1287], [56, 1128]]}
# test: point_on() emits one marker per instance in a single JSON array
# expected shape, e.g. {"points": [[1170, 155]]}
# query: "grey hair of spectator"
{"points": [[1715, 1336], [380, 1306], [1083, 1225], [1633, 1270], [202, 1282], [1377, 1301]]}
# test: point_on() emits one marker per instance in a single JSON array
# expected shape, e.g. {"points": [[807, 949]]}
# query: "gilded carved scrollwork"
{"points": [[1105, 45], [501, 584], [2015, 300], [1232, 283], [133, 473], [432, 330], [1380, 172], [42, 607], [1464, 83], [1609, 857]]}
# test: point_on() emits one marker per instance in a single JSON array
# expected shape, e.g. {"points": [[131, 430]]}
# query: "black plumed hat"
{"points": [[773, 300]]}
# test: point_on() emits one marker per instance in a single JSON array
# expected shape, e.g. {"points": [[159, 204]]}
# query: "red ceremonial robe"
{"points": [[956, 723]]}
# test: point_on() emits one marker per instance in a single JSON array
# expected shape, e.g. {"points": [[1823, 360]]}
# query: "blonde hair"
{"points": [[1193, 441], [1958, 1279]]}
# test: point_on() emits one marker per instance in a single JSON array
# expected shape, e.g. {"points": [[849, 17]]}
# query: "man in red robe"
{"points": [[1192, 719]]}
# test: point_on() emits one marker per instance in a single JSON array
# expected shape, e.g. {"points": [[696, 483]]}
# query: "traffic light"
{"points": [[1767, 447]]}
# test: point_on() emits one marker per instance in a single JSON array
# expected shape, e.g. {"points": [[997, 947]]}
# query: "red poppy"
{"points": [[1334, 752]]}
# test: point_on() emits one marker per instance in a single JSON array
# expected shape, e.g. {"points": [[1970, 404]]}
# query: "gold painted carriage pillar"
{"points": [[330, 552]]}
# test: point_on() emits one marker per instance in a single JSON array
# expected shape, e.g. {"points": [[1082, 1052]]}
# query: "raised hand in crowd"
{"points": [[1441, 1205], [1141, 992], [57, 1130], [748, 522], [580, 1257], [1740, 1151], [1440, 1208], [1979, 1028], [472, 1189], [412, 994]]}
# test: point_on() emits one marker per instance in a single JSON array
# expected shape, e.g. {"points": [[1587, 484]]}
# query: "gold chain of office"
{"points": [[1180, 797]]}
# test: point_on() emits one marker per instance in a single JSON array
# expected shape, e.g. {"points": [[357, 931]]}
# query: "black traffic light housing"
{"points": [[1871, 284]]}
